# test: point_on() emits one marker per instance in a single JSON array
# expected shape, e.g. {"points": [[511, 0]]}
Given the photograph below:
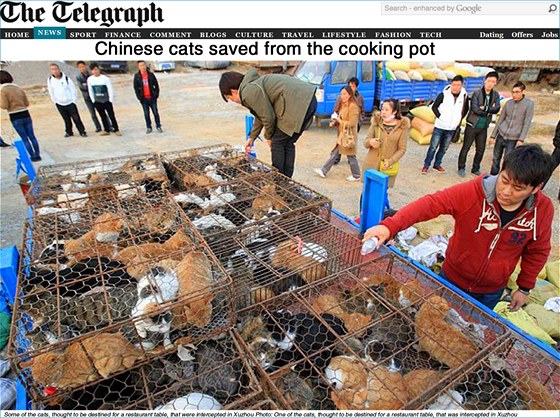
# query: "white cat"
{"points": [[160, 285]]}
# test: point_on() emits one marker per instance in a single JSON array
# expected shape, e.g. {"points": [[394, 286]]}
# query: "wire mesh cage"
{"points": [[208, 375], [282, 256], [136, 265], [209, 166], [66, 185], [379, 335], [245, 204], [515, 376]]}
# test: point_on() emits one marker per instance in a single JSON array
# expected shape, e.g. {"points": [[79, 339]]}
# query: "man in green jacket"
{"points": [[284, 106]]}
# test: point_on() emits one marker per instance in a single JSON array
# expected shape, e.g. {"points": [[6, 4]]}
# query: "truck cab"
{"points": [[331, 76]]}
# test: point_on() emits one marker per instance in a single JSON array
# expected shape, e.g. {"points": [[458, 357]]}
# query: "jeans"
{"points": [[94, 119], [107, 113], [490, 300], [478, 136], [70, 113], [440, 141], [148, 104], [502, 147], [24, 128], [354, 166]]}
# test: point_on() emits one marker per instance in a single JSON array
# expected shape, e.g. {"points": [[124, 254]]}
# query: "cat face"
{"points": [[160, 285], [108, 227]]}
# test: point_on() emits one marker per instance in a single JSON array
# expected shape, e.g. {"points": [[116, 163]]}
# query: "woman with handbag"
{"points": [[347, 122], [386, 140]]}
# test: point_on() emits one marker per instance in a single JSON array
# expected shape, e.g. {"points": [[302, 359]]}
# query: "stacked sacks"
{"points": [[422, 125], [536, 319]]}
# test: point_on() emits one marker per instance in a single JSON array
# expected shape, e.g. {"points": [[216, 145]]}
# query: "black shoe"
{"points": [[67, 135], [35, 159], [149, 130], [3, 144], [83, 134], [160, 130], [476, 172], [98, 130]]}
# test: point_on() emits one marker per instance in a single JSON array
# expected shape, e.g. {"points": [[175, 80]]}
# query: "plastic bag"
{"points": [[547, 320], [401, 75], [425, 113], [427, 252], [408, 234], [524, 321], [7, 393], [425, 128], [553, 272], [553, 304]]}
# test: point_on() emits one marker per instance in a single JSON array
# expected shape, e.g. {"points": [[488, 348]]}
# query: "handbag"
{"points": [[393, 169], [347, 139]]}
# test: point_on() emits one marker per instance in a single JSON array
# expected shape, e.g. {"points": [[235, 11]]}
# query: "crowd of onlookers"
{"points": [[97, 93]]}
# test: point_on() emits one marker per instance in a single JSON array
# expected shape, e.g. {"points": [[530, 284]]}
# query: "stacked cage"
{"points": [[224, 192], [106, 289], [384, 335], [66, 185], [236, 290]]}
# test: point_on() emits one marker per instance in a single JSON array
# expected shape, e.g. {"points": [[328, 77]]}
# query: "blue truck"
{"points": [[331, 76]]}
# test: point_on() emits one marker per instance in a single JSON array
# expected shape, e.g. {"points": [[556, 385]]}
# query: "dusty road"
{"points": [[193, 114]]}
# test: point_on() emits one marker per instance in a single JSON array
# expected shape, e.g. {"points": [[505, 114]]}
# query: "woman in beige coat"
{"points": [[387, 137], [348, 118]]}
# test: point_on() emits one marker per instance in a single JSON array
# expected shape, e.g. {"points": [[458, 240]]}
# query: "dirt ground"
{"points": [[193, 114]]}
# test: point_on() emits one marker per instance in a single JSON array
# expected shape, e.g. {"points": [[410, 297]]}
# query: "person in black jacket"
{"points": [[485, 103], [146, 88], [555, 155], [81, 78]]}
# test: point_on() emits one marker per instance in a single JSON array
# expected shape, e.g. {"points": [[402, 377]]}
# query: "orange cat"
{"points": [[101, 240], [83, 362], [329, 303], [268, 200], [420, 380], [286, 256], [536, 394], [356, 387], [349, 378], [138, 258], [386, 390], [194, 273], [193, 181], [442, 341]]}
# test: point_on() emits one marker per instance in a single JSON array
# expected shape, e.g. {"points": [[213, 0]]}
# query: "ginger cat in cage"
{"points": [[268, 200], [194, 273], [83, 361], [441, 340], [100, 241]]}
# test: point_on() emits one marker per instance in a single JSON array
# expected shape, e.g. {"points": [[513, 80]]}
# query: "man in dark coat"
{"points": [[284, 106]]}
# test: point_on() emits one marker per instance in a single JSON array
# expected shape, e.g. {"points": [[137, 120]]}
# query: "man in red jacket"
{"points": [[498, 219]]}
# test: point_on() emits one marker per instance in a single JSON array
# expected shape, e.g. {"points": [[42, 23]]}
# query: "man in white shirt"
{"points": [[64, 94], [102, 94]]}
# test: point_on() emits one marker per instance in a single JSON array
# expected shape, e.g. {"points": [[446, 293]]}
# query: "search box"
{"points": [[470, 8]]}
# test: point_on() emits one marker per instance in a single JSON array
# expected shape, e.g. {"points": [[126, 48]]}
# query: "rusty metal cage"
{"points": [[384, 335], [210, 374], [61, 185], [207, 166], [284, 255], [245, 204], [135, 267]]}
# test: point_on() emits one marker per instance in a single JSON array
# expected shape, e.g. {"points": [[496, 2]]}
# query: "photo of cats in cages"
{"points": [[203, 279]]}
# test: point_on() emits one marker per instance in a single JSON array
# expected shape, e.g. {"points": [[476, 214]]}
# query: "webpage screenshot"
{"points": [[278, 209]]}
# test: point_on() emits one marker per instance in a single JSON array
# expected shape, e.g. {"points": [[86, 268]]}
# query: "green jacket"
{"points": [[277, 102]]}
